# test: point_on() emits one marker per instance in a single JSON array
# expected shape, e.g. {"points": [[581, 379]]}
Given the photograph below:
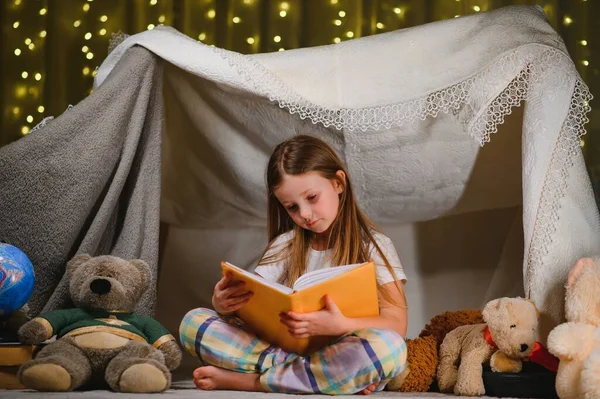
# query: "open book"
{"points": [[353, 288]]}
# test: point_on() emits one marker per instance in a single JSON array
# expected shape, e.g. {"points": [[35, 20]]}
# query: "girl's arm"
{"points": [[391, 316], [330, 321]]}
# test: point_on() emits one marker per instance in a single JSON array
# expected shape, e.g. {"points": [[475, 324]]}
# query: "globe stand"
{"points": [[8, 337], [10, 324], [8, 333]]}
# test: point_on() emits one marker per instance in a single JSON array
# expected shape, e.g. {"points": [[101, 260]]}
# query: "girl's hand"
{"points": [[329, 321], [230, 295]]}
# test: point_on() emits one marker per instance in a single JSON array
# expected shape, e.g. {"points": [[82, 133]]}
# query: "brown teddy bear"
{"points": [[443, 323], [577, 342], [505, 339], [422, 352], [421, 359], [101, 340]]}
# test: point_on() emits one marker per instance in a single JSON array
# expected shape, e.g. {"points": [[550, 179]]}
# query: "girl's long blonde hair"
{"points": [[350, 233]]}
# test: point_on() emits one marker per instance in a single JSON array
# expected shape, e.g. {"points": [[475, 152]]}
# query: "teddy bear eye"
{"points": [[513, 326]]}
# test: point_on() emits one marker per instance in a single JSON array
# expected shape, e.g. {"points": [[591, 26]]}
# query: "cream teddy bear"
{"points": [[505, 339], [577, 342]]}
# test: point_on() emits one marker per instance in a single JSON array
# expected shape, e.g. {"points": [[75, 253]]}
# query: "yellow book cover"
{"points": [[353, 288]]}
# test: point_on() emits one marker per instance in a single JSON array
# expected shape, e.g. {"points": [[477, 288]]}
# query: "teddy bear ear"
{"points": [[144, 270], [77, 261], [492, 307], [578, 268]]}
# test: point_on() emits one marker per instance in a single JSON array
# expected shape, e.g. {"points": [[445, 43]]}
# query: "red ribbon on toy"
{"points": [[539, 354]]}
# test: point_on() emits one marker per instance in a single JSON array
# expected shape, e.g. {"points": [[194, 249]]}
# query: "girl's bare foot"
{"points": [[368, 390], [211, 378]]}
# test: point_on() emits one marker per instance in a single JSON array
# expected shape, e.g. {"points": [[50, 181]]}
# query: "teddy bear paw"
{"points": [[46, 377], [143, 378], [469, 388], [447, 380], [33, 332], [501, 363], [474, 391]]}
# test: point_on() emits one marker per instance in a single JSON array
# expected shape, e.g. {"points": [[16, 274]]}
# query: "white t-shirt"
{"points": [[322, 259]]}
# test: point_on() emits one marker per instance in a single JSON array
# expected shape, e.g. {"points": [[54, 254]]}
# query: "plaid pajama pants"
{"points": [[346, 366]]}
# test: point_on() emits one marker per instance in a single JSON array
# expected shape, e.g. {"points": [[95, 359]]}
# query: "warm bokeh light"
{"points": [[81, 30]]}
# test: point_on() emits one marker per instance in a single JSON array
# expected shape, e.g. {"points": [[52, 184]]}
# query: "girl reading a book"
{"points": [[313, 222]]}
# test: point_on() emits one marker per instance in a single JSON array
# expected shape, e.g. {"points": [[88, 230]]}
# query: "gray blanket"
{"points": [[89, 181]]}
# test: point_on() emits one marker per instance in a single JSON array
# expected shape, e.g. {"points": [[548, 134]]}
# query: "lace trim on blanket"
{"points": [[555, 185], [526, 64]]}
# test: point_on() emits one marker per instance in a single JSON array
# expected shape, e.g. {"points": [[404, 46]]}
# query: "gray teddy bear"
{"points": [[101, 340]]}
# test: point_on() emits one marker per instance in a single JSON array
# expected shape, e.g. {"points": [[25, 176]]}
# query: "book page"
{"points": [[316, 276], [259, 279]]}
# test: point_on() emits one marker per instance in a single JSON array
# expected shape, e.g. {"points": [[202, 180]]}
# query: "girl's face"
{"points": [[311, 200]]}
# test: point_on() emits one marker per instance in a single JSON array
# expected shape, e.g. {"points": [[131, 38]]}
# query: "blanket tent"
{"points": [[461, 137]]}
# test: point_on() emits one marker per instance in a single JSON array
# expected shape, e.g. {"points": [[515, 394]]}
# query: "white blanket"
{"points": [[408, 111]]}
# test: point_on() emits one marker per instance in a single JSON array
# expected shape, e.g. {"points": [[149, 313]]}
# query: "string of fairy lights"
{"points": [[80, 23], [92, 25], [27, 88]]}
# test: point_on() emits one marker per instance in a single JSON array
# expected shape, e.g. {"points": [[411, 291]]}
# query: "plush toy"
{"points": [[577, 342], [505, 339], [421, 359], [422, 352], [101, 340], [442, 324]]}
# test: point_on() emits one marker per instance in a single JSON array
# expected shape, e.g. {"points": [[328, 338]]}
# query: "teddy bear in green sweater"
{"points": [[102, 340]]}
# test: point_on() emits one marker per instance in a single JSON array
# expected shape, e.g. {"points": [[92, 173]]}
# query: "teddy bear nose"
{"points": [[524, 347], [100, 286]]}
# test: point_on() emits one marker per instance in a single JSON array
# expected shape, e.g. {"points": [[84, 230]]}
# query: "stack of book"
{"points": [[12, 356]]}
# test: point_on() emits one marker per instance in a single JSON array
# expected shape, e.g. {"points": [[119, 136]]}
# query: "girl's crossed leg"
{"points": [[362, 361]]}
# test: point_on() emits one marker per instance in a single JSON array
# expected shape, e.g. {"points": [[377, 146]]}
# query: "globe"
{"points": [[16, 279]]}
